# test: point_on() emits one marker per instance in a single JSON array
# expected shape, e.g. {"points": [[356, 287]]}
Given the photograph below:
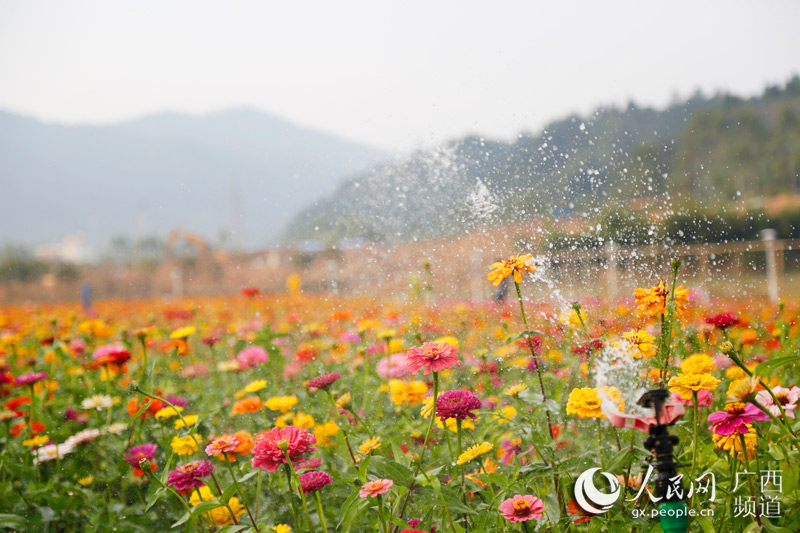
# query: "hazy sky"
{"points": [[393, 74]]}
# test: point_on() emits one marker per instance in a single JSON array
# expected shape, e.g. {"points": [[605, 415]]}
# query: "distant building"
{"points": [[71, 249]]}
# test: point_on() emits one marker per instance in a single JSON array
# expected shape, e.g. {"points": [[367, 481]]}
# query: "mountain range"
{"points": [[234, 176], [706, 153]]}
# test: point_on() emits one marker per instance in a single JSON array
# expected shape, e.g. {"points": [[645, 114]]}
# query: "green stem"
{"points": [[239, 490], [203, 457], [291, 470], [178, 496], [458, 446], [384, 524], [344, 431], [745, 460], [600, 444], [544, 395], [696, 423], [287, 469], [320, 512]]}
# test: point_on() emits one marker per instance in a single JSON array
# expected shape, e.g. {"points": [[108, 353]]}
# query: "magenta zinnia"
{"points": [[432, 357], [142, 451], [734, 418], [457, 404], [314, 481], [324, 381], [30, 378], [268, 453], [187, 476]]}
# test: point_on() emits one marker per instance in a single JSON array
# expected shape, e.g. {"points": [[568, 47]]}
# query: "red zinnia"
{"points": [[433, 357], [324, 381], [268, 453]]}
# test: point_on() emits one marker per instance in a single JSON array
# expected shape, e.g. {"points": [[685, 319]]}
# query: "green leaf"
{"points": [[229, 491], [772, 364], [362, 469], [551, 508], [13, 521], [247, 476], [620, 458], [141, 410], [181, 520], [349, 511], [151, 501], [233, 529], [391, 469], [524, 334]]}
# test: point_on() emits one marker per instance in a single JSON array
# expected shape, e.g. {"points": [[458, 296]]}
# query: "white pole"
{"points": [[768, 236]]}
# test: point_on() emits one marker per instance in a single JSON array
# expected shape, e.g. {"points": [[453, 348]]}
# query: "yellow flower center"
{"points": [[783, 398], [735, 408], [521, 505]]}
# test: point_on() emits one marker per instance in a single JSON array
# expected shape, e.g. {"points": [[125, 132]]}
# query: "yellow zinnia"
{"points": [[184, 445], [698, 363], [220, 516], [513, 390], [516, 266], [733, 443], [168, 412], [189, 420], [687, 384], [474, 452], [281, 403], [324, 432], [369, 445], [585, 403], [255, 386], [407, 394], [641, 343], [182, 333]]}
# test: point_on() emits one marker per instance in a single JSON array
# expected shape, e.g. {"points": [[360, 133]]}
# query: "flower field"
{"points": [[296, 412]]}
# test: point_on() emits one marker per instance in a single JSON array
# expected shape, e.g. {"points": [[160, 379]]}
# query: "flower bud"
{"points": [[133, 386], [144, 464], [726, 347]]}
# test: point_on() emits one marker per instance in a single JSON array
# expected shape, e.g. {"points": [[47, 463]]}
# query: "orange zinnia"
{"points": [[244, 447], [250, 404]]}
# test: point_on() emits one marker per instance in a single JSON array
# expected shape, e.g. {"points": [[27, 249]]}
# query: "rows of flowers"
{"points": [[332, 413]]}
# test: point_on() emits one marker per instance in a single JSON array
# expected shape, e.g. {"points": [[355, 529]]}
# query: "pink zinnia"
{"points": [[223, 444], [323, 381], [375, 488], [142, 451], [787, 397], [457, 404], [314, 481], [704, 399], [270, 445], [252, 356], [30, 378], [187, 476], [308, 464], [78, 346], [392, 367], [433, 357], [521, 508], [111, 354], [735, 418]]}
